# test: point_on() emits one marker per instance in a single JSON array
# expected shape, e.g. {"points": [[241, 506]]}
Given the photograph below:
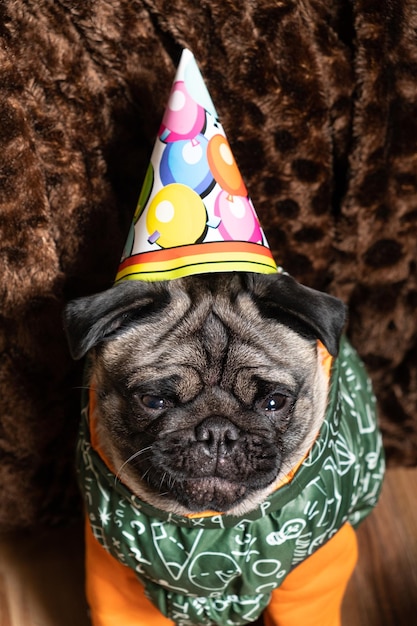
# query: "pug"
{"points": [[209, 397]]}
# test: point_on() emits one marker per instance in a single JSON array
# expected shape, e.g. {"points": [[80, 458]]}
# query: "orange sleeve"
{"points": [[312, 593], [114, 594]]}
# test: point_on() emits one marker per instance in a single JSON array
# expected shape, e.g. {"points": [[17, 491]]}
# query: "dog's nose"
{"points": [[217, 434]]}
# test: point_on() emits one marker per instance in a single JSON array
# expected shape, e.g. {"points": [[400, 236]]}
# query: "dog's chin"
{"points": [[199, 495], [211, 493]]}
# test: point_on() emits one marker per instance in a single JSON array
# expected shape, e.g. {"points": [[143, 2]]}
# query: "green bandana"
{"points": [[222, 569]]}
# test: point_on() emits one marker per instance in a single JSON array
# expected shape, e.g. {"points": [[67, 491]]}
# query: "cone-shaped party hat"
{"points": [[194, 214]]}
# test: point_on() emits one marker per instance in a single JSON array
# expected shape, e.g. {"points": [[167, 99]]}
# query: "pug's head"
{"points": [[208, 388]]}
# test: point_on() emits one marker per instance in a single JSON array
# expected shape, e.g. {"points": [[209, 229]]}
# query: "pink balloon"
{"points": [[239, 221], [183, 118]]}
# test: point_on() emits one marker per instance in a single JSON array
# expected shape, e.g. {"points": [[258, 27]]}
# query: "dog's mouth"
{"points": [[215, 468], [216, 475]]}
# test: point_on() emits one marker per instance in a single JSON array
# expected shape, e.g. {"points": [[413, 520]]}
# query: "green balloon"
{"points": [[145, 192]]}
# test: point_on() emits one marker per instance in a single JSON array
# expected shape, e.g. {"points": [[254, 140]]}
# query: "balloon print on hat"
{"points": [[145, 192], [186, 162], [223, 166], [238, 219], [176, 217], [143, 199], [232, 206], [183, 118]]}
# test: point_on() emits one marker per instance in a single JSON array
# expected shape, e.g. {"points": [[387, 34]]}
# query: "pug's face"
{"points": [[208, 388]]}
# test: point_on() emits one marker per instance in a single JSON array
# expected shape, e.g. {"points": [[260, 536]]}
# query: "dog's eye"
{"points": [[154, 402], [275, 402]]}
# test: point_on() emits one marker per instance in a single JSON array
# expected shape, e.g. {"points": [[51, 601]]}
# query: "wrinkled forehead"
{"points": [[211, 343]]}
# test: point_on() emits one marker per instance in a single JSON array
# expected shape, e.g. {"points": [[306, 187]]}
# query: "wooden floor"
{"points": [[41, 577], [383, 590]]}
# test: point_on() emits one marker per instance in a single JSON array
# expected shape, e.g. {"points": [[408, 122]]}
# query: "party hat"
{"points": [[194, 214]]}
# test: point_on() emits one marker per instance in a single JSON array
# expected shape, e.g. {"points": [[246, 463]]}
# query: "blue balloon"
{"points": [[186, 162]]}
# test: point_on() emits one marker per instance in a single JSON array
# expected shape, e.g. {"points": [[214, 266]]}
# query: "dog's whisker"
{"points": [[131, 458], [162, 480], [145, 473]]}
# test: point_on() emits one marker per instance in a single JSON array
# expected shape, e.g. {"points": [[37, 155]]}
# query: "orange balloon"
{"points": [[223, 166]]}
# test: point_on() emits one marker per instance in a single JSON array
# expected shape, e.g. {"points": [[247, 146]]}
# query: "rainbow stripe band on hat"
{"points": [[230, 256]]}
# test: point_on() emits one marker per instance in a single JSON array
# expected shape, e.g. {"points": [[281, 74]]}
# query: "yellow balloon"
{"points": [[176, 217]]}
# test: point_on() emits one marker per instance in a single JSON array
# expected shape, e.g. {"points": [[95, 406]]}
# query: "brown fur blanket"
{"points": [[319, 102]]}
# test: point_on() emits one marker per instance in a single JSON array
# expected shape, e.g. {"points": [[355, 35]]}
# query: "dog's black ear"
{"points": [[90, 320], [310, 312]]}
